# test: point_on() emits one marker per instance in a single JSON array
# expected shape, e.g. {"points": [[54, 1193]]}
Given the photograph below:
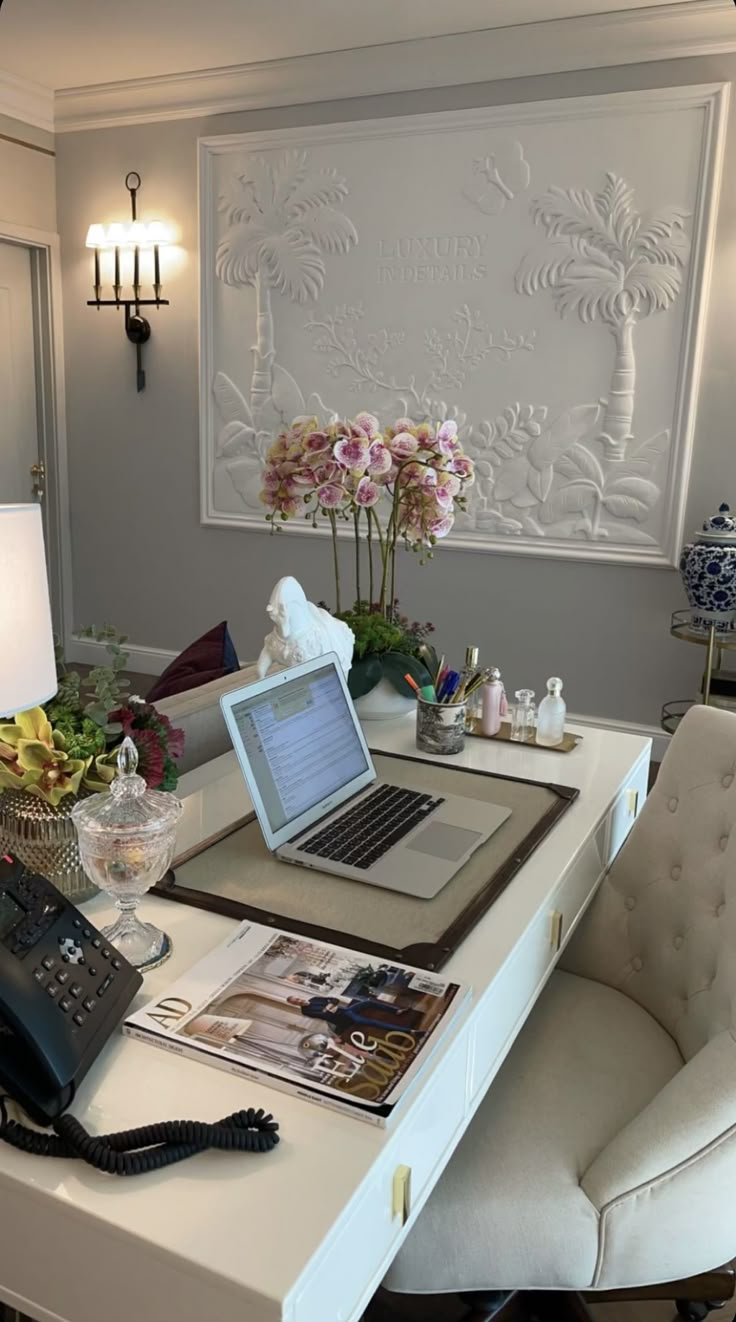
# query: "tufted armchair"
{"points": [[604, 1156]]}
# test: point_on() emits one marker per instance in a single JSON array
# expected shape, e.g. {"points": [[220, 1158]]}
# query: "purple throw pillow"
{"points": [[210, 657]]}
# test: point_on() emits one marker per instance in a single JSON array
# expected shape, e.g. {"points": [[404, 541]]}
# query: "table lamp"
{"points": [[27, 662]]}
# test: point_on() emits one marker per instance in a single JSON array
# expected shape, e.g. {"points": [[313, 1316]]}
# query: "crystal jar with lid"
{"points": [[708, 571], [126, 842]]}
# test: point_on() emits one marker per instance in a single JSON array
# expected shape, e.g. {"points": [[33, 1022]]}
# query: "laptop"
{"points": [[319, 801]]}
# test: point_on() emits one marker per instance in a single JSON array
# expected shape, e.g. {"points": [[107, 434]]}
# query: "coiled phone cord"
{"points": [[148, 1148]]}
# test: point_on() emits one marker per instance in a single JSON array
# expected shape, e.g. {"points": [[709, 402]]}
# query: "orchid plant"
{"points": [[399, 485]]}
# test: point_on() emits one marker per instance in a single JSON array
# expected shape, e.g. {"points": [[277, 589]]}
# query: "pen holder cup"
{"points": [[440, 726]]}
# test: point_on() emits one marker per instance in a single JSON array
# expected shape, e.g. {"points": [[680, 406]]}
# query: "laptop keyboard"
{"points": [[364, 834]]}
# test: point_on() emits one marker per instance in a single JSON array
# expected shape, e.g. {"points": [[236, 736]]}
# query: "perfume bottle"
{"points": [[474, 704], [492, 703], [522, 716], [551, 715]]}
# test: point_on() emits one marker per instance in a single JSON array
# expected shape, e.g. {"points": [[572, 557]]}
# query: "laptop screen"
{"points": [[301, 743]]}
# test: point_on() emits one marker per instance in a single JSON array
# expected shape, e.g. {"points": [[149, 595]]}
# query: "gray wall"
{"points": [[27, 175], [141, 558]]}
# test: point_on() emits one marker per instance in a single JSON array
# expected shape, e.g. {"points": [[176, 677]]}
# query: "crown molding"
{"points": [[696, 27], [31, 103]]}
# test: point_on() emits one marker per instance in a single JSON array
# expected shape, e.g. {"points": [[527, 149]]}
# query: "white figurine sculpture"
{"points": [[302, 631]]}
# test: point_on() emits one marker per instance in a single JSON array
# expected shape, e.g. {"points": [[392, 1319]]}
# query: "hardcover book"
{"points": [[326, 1023]]}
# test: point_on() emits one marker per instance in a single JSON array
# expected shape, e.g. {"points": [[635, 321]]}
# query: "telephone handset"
{"points": [[63, 990]]}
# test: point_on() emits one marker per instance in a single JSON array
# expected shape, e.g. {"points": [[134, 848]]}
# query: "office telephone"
{"points": [[63, 990]]}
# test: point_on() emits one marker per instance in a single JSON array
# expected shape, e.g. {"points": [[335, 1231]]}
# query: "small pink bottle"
{"points": [[495, 706]]}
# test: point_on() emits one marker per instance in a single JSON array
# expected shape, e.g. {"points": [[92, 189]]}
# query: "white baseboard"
{"points": [[143, 660], [153, 660], [660, 739]]}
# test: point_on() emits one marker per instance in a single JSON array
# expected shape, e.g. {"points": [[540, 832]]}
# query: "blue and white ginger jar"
{"points": [[708, 570]]}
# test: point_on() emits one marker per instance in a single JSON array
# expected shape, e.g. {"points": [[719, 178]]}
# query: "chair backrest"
{"points": [[662, 928]]}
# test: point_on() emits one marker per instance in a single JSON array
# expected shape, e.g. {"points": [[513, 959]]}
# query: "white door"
{"points": [[19, 450]]}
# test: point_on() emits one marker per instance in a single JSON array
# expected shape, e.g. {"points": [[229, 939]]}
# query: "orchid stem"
{"points": [[336, 562]]}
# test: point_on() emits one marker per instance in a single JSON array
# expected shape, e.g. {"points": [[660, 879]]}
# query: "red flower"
{"points": [[151, 759]]}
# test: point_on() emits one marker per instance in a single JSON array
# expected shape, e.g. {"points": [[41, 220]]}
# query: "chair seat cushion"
{"points": [[509, 1211]]}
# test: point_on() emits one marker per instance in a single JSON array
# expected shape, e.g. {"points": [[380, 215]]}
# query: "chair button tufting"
{"points": [[636, 964], [672, 804], [727, 782], [723, 843], [676, 873], [677, 943], [630, 902]]}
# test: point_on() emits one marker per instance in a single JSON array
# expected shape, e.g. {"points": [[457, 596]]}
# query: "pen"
{"points": [[426, 691]]}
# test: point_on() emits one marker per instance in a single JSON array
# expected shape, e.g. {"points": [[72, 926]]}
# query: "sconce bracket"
{"points": [[137, 328]]}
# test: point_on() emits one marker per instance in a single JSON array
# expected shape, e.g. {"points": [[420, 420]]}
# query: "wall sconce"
{"points": [[135, 236]]}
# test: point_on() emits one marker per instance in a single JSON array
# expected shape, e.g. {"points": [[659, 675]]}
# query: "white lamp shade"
{"points": [[27, 664]]}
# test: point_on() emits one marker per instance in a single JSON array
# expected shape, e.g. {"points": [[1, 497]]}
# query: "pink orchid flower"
{"points": [[379, 459], [304, 478], [367, 493], [316, 441], [352, 453], [330, 495], [327, 473], [441, 525], [404, 445], [368, 422], [463, 465], [446, 438]]}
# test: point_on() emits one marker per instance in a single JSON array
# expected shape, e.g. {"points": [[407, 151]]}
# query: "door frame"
{"points": [[45, 252]]}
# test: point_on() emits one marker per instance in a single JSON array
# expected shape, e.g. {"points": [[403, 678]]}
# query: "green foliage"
{"points": [[107, 688], [387, 646]]}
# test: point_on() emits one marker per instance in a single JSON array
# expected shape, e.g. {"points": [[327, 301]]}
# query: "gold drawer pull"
{"points": [[401, 1194], [632, 802], [555, 929]]}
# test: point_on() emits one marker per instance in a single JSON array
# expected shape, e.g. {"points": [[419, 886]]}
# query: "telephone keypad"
{"points": [[48, 962], [89, 1004], [65, 1004], [62, 977], [52, 990], [75, 990], [79, 1018]]}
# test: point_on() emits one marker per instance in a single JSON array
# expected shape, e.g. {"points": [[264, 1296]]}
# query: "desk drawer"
{"points": [[516, 987], [371, 1235], [627, 807]]}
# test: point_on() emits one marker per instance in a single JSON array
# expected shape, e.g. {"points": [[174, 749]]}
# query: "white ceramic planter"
{"points": [[383, 703]]}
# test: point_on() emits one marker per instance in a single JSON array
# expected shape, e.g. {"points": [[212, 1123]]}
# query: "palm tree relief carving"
{"points": [[607, 262], [282, 219]]}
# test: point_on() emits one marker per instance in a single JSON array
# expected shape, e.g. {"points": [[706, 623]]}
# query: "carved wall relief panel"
{"points": [[538, 273]]}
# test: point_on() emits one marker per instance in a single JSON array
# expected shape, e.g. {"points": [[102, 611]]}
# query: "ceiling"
{"points": [[77, 43]]}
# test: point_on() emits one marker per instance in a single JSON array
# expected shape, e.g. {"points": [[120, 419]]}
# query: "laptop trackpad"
{"points": [[443, 841]]}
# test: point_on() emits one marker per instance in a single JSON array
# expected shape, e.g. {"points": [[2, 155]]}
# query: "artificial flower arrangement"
{"points": [[398, 486], [70, 745]]}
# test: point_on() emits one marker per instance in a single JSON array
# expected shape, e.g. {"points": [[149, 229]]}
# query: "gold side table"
{"points": [[715, 644]]}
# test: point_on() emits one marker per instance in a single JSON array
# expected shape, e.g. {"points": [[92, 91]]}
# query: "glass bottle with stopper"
{"points": [[551, 715], [126, 843], [522, 716]]}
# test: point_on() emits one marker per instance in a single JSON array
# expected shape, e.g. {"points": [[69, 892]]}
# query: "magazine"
{"points": [[333, 1025]]}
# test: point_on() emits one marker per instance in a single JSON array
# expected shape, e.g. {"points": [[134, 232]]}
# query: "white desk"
{"points": [[306, 1233]]}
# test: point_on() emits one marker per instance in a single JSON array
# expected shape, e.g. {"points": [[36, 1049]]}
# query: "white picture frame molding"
{"points": [[711, 99]]}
